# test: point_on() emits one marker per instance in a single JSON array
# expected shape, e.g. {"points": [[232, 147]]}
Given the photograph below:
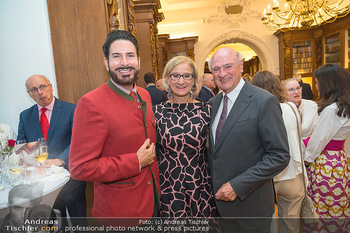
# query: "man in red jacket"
{"points": [[113, 139]]}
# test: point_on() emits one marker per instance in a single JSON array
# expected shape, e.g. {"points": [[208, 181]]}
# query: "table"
{"points": [[46, 188]]}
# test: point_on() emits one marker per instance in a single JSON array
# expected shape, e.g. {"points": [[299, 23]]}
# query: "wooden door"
{"points": [[78, 31]]}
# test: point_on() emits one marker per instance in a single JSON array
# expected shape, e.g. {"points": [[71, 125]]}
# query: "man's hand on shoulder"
{"points": [[226, 193], [57, 162], [146, 153]]}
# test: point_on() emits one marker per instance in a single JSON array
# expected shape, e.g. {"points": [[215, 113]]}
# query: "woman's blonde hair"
{"points": [[174, 62], [284, 83]]}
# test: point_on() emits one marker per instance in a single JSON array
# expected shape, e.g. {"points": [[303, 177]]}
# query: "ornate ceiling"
{"points": [[184, 13]]}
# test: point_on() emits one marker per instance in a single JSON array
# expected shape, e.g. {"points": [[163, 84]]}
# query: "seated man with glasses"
{"points": [[52, 120]]}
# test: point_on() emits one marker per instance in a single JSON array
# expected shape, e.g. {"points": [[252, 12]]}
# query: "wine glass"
{"points": [[5, 181], [42, 154], [16, 165]]}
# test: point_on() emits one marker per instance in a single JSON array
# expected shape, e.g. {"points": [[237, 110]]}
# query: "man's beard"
{"points": [[124, 79]]}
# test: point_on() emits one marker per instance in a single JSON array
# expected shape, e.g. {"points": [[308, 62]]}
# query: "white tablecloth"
{"points": [[48, 188]]}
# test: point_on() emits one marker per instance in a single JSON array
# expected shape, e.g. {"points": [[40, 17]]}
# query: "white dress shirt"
{"points": [[308, 110], [231, 99], [329, 126]]}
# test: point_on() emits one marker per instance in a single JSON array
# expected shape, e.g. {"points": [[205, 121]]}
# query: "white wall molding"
{"points": [[254, 42]]}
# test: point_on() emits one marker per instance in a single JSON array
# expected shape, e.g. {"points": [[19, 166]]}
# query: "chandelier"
{"points": [[296, 14]]}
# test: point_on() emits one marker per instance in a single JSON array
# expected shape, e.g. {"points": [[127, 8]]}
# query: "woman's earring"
{"points": [[169, 93], [192, 95]]}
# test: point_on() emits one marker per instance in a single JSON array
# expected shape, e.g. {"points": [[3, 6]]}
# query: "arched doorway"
{"points": [[268, 62], [251, 60]]}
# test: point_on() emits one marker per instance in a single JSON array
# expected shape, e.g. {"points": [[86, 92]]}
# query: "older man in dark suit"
{"points": [[248, 147], [157, 95], [206, 91], [52, 119]]}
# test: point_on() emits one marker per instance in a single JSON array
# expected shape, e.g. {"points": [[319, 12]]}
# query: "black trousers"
{"points": [[72, 198]]}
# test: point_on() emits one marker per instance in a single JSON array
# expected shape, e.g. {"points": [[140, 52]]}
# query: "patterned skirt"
{"points": [[329, 185]]}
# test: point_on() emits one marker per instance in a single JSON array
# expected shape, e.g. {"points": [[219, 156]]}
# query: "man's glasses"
{"points": [[294, 89], [41, 88], [176, 77]]}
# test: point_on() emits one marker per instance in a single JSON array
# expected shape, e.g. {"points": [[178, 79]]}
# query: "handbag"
{"points": [[307, 212], [307, 208]]}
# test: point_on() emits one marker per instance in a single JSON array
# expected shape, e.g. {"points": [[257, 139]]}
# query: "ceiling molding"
{"points": [[232, 20]]}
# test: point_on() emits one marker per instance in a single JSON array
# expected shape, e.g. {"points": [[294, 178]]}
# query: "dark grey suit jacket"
{"points": [[157, 96], [205, 94], [250, 151]]}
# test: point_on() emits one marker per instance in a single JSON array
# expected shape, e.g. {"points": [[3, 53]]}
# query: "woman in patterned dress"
{"points": [[182, 125], [328, 165]]}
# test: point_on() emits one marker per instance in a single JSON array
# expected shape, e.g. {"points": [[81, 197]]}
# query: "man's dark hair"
{"points": [[333, 87], [24, 191], [118, 35], [149, 78]]}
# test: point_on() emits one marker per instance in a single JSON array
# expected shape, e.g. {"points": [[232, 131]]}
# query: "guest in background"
{"points": [[159, 84], [328, 165], [157, 95], [307, 91], [113, 138], [216, 90], [52, 119], [208, 86], [182, 125], [248, 147], [307, 108], [289, 185], [247, 77]]}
